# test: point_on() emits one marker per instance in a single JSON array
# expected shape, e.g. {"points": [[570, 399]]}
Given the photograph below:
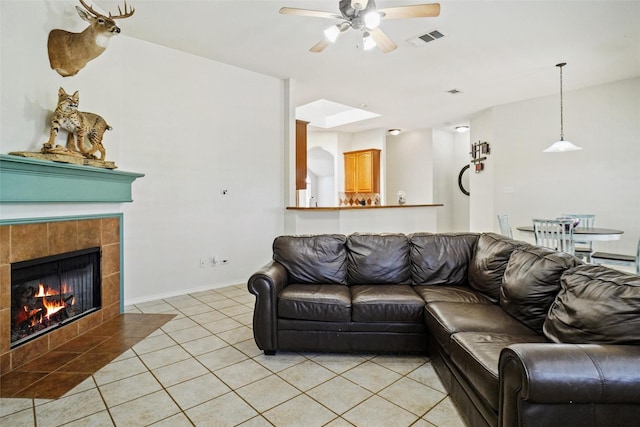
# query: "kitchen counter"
{"points": [[364, 219], [339, 208]]}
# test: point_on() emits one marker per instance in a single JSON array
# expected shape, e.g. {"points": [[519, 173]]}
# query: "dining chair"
{"points": [[583, 248], [618, 259], [554, 233], [505, 225]]}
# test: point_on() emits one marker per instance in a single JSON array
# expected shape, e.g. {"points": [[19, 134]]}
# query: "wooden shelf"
{"points": [[26, 180]]}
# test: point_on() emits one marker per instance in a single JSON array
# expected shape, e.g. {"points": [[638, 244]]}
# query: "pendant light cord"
{"points": [[561, 103]]}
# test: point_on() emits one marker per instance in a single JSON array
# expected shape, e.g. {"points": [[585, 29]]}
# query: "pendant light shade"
{"points": [[562, 145]]}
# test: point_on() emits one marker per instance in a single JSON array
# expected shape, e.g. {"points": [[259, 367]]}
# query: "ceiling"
{"points": [[492, 52]]}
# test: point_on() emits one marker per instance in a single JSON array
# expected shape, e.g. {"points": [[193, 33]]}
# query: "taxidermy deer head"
{"points": [[69, 52]]}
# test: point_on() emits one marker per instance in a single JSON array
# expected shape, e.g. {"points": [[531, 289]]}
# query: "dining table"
{"points": [[582, 233]]}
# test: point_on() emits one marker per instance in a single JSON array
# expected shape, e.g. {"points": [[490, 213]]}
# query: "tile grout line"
{"points": [[231, 389], [260, 413], [113, 421], [160, 382], [176, 305], [303, 392]]}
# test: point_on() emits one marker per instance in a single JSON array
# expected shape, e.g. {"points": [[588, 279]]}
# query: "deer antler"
{"points": [[121, 15], [89, 8], [126, 14]]}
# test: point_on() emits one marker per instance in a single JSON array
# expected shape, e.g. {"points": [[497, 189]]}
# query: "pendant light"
{"points": [[562, 145]]}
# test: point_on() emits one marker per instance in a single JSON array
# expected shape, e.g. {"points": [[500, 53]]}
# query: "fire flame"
{"points": [[50, 292], [52, 306], [42, 293]]}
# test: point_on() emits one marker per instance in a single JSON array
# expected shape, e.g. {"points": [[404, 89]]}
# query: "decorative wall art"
{"points": [[463, 180], [69, 52], [84, 138], [479, 152]]}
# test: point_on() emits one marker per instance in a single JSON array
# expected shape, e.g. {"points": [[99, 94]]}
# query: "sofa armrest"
{"points": [[582, 380], [266, 284]]}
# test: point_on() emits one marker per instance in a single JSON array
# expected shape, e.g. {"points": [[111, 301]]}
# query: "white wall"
{"points": [[410, 167], [368, 139], [339, 142], [193, 126], [444, 178], [603, 178], [481, 207], [459, 201], [328, 188]]}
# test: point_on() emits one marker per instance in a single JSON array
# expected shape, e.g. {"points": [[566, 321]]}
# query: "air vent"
{"points": [[433, 35], [425, 38]]}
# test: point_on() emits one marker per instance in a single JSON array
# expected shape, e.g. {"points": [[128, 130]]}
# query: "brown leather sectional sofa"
{"points": [[520, 335]]}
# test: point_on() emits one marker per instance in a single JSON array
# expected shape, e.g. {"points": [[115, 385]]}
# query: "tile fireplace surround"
{"points": [[37, 182], [21, 242]]}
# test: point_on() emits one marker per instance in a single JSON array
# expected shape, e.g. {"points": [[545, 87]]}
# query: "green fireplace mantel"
{"points": [[27, 180]]}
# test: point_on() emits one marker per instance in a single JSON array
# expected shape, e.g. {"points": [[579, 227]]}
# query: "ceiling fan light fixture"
{"points": [[372, 20], [332, 33], [368, 42], [359, 4], [362, 15]]}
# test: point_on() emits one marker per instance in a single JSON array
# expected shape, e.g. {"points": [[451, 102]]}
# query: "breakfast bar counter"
{"points": [[338, 208], [363, 219]]}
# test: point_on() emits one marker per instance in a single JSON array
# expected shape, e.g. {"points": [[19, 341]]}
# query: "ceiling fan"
{"points": [[362, 15]]}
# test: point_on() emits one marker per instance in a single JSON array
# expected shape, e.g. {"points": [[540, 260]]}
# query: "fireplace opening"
{"points": [[49, 292]]}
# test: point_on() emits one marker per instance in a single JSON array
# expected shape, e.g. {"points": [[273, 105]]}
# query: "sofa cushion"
{"points": [[476, 356], [313, 259], [489, 261], [433, 293], [596, 305], [532, 281], [385, 303], [443, 319], [441, 259], [328, 303], [378, 259]]}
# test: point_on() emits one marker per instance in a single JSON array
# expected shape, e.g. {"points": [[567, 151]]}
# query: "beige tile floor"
{"points": [[203, 368]]}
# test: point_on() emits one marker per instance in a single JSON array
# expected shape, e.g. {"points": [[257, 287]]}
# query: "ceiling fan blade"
{"points": [[382, 40], [320, 46], [416, 11], [308, 12]]}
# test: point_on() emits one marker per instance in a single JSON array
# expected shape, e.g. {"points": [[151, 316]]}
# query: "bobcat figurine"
{"points": [[67, 117]]}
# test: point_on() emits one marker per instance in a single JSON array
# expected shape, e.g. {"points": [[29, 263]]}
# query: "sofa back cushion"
{"points": [[488, 263], [378, 259], [313, 259], [441, 259], [595, 305], [532, 281]]}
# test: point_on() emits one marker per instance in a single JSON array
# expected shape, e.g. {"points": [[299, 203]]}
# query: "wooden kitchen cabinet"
{"points": [[301, 154], [362, 171]]}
